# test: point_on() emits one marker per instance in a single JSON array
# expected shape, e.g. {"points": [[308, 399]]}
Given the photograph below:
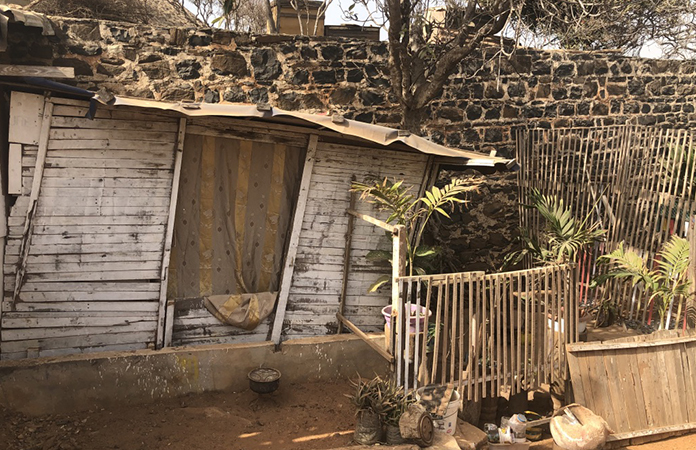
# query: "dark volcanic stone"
{"points": [[179, 93], [600, 109], [81, 67], [188, 69], [199, 40], [289, 101], [234, 94], [301, 77], [324, 76], [258, 95], [354, 75], [565, 70], [88, 49], [517, 90], [332, 52], [343, 95], [266, 65], [308, 53], [474, 112], [149, 57], [211, 96], [371, 98], [232, 63]]}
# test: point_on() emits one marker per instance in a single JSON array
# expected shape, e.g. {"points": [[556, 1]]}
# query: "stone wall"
{"points": [[479, 109]]}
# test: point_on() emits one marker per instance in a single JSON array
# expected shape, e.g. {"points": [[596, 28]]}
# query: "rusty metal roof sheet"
{"points": [[373, 133]]}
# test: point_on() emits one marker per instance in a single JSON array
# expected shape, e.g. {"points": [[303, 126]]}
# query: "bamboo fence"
{"points": [[487, 331], [637, 182]]}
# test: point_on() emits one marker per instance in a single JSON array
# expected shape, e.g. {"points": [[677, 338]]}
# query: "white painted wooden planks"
{"points": [[316, 285], [93, 268]]}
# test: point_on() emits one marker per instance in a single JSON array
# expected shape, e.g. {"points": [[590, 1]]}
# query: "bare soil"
{"points": [[300, 416]]}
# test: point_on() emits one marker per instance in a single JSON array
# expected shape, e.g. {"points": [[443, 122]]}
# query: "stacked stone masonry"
{"points": [[479, 109]]}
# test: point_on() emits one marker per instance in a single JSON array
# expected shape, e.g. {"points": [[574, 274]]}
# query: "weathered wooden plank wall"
{"points": [[316, 286], [638, 384], [94, 257]]}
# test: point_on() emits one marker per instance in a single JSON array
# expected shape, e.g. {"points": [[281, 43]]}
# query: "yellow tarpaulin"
{"points": [[236, 200]]}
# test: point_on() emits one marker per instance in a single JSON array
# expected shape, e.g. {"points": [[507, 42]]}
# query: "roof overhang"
{"points": [[383, 136]]}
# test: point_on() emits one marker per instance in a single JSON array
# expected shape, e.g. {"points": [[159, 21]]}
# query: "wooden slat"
{"points": [[161, 339], [23, 249], [15, 70], [289, 266], [14, 169]]}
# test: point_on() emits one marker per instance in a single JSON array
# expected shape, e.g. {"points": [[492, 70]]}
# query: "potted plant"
{"points": [[394, 404], [414, 213], [665, 284], [367, 402]]}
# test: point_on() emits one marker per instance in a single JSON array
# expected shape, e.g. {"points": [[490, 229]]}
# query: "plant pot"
{"points": [[423, 317], [368, 429], [393, 435]]}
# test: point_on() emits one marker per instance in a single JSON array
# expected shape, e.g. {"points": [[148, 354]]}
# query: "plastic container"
{"points": [[386, 312], [448, 424]]}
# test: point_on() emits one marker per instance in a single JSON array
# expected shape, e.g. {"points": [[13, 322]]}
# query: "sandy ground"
{"points": [[301, 416]]}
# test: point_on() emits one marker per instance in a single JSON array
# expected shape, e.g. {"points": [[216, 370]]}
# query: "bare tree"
{"points": [[425, 49]]}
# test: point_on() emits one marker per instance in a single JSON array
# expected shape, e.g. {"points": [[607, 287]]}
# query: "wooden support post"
{"points": [[34, 198], [289, 267], [358, 332], [346, 260], [692, 252], [165, 321], [399, 248]]}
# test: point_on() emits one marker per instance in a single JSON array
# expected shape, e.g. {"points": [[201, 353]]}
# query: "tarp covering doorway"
{"points": [[236, 199]]}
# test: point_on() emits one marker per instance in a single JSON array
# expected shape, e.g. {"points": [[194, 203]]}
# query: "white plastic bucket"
{"points": [[448, 424]]}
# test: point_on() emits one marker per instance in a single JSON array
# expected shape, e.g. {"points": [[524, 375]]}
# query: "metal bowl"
{"points": [[264, 380]]}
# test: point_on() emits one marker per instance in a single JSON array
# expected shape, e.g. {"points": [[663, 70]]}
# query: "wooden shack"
{"points": [[125, 219]]}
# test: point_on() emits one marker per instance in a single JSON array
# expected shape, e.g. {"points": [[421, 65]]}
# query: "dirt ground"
{"points": [[300, 416]]}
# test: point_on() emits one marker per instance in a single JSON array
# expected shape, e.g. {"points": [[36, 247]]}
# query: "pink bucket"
{"points": [[386, 312]]}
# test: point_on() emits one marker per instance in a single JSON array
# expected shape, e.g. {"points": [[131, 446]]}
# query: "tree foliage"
{"points": [[426, 46]]}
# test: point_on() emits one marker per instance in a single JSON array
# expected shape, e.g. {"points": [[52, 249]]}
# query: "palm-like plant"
{"points": [[561, 239], [406, 209], [665, 284]]}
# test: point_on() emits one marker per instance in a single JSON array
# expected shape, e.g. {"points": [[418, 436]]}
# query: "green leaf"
{"points": [[379, 256], [425, 251], [381, 281]]}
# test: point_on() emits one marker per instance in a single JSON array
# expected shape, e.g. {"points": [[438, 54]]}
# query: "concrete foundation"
{"points": [[82, 382]]}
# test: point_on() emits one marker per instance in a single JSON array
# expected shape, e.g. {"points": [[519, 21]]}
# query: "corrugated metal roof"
{"points": [[9, 14], [373, 133]]}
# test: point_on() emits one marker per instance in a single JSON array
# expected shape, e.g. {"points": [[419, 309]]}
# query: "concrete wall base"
{"points": [[81, 382]]}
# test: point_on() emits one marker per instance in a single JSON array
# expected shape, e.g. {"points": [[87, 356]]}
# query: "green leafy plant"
{"points": [[562, 237], [365, 396], [414, 213], [379, 396], [665, 284]]}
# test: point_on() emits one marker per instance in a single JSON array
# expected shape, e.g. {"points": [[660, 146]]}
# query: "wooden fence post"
{"points": [[399, 249]]}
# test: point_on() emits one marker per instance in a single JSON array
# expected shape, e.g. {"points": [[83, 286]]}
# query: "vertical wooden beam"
{"points": [[399, 247], [33, 198], [347, 252], [691, 236], [165, 321], [289, 267], [14, 169]]}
